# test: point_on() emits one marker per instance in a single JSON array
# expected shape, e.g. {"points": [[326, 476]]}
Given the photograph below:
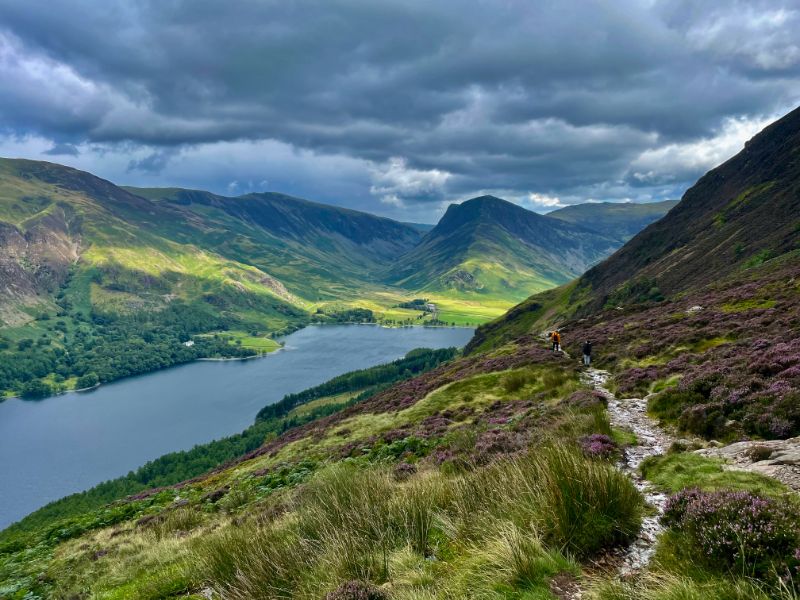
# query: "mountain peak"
{"points": [[482, 209], [488, 245]]}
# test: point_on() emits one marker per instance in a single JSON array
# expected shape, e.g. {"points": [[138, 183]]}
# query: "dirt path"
{"points": [[631, 414]]}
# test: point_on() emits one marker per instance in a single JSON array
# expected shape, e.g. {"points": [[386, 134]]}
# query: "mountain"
{"points": [[492, 248], [743, 212], [617, 220], [317, 250], [90, 271], [85, 259], [738, 216], [504, 472]]}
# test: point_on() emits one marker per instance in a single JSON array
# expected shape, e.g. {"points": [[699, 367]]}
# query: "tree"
{"points": [[36, 388], [88, 380]]}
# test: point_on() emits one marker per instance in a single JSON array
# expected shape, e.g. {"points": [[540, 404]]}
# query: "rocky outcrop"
{"points": [[779, 459]]}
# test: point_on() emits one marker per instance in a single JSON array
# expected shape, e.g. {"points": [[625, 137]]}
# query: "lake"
{"points": [[54, 447]]}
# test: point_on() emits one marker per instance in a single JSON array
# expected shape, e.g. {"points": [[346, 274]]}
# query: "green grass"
{"points": [[662, 384], [749, 304], [676, 471], [496, 532], [257, 343]]}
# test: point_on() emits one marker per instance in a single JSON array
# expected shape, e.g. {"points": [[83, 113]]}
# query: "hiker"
{"points": [[587, 353], [556, 338]]}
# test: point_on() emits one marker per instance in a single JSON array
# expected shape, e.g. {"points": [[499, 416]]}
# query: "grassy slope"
{"points": [[474, 411], [122, 262], [523, 389]]}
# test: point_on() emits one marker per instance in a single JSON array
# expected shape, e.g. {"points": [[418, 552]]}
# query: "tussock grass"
{"points": [[509, 526], [253, 562], [515, 381], [176, 522]]}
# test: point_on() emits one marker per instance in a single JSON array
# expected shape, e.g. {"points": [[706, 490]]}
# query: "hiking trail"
{"points": [[631, 414]]}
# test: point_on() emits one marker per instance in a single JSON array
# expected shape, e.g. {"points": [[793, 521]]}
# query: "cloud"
{"points": [[400, 105], [678, 162], [155, 162], [394, 183], [543, 201], [62, 150]]}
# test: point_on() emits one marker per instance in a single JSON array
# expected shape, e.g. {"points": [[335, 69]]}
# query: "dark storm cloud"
{"points": [[439, 100]]}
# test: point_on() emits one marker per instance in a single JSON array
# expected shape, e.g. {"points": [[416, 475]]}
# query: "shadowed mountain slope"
{"points": [[745, 210], [737, 217]]}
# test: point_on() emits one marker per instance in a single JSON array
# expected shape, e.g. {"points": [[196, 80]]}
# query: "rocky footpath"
{"points": [[631, 414]]}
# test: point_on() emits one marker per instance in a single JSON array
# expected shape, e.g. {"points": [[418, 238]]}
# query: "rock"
{"points": [[779, 459], [694, 309], [790, 457]]}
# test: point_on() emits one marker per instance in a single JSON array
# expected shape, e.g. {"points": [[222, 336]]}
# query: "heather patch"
{"points": [[737, 531], [740, 335], [599, 445], [356, 590], [586, 399]]}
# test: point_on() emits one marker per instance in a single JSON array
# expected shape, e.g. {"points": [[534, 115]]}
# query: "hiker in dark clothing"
{"points": [[556, 338], [587, 353]]}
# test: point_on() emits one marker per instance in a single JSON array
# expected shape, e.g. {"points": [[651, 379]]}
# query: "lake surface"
{"points": [[54, 447]]}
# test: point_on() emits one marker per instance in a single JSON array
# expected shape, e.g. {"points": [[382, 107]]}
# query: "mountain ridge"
{"points": [[529, 251]]}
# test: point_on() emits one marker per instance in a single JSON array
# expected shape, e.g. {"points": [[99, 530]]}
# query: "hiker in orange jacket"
{"points": [[556, 338]]}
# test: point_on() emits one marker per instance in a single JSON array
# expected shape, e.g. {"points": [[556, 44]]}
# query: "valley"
{"points": [[102, 282], [454, 300]]}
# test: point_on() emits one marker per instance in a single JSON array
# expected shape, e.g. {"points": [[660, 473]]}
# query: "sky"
{"points": [[397, 107]]}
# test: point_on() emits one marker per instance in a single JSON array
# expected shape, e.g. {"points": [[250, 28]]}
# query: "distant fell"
{"points": [[487, 246], [620, 220]]}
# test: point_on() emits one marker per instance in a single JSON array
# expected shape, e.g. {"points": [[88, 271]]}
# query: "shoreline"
{"points": [[233, 358]]}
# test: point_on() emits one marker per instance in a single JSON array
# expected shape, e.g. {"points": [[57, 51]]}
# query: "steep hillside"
{"points": [[614, 219], [97, 286], [493, 248], [90, 271], [736, 217], [317, 250], [743, 212]]}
